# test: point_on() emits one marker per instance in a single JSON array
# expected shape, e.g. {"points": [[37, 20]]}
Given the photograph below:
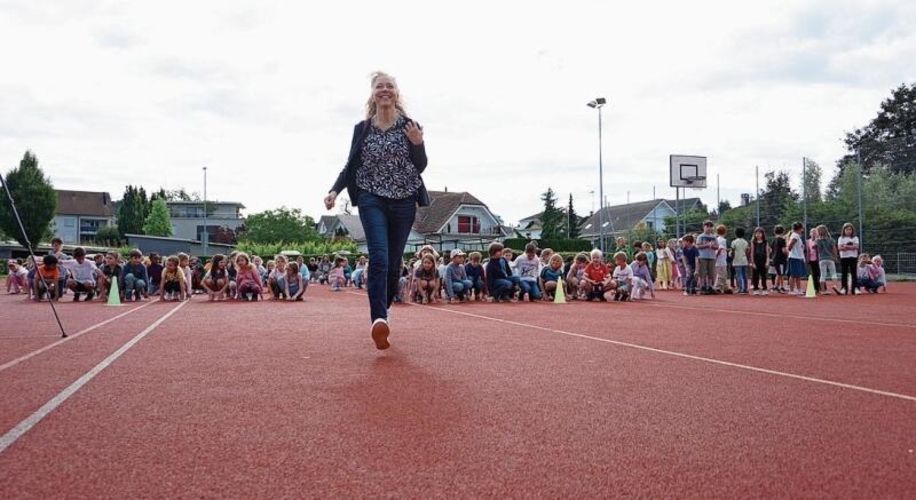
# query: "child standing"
{"points": [[760, 260], [779, 259], [740, 260], [663, 265], [827, 257], [811, 258], [848, 243], [722, 281], [247, 278], [796, 254], [707, 246], [690, 258], [677, 265], [651, 259]]}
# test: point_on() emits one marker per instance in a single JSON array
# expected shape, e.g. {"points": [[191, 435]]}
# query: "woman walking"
{"points": [[382, 175]]}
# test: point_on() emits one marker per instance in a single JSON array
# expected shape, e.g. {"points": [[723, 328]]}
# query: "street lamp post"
{"points": [[205, 237], [599, 103]]}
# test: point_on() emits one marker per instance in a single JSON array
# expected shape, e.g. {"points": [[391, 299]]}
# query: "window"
{"points": [[69, 222], [468, 224]]}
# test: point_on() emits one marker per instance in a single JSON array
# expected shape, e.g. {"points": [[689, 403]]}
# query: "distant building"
{"points": [[452, 220], [188, 218], [80, 215], [622, 218]]}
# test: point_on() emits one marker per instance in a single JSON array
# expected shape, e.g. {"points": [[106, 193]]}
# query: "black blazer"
{"points": [[347, 177]]}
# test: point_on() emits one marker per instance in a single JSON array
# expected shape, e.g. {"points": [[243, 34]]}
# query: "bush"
{"points": [[309, 248], [108, 236]]}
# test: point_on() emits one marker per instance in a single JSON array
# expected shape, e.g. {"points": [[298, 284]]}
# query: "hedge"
{"points": [[558, 245]]}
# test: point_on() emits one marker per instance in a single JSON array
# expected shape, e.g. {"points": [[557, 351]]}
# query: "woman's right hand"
{"points": [[330, 199]]}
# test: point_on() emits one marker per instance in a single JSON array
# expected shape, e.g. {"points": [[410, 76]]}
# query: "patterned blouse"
{"points": [[386, 169]]}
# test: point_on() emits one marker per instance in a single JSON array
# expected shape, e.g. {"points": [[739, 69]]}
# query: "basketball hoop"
{"points": [[695, 178]]}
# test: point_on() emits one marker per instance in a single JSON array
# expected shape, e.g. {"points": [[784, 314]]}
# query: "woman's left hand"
{"points": [[414, 133]]}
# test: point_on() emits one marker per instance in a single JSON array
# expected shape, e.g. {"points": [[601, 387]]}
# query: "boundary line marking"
{"points": [[10, 364], [685, 356], [775, 315], [23, 427]]}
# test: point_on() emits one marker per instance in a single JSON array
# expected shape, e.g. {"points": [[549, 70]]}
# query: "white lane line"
{"points": [[783, 316], [70, 337], [17, 432], [683, 355]]}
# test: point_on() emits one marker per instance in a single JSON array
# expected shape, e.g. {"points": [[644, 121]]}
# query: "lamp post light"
{"points": [[206, 236], [599, 103]]}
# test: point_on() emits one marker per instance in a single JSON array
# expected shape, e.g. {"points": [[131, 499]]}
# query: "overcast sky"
{"points": [[266, 93]]}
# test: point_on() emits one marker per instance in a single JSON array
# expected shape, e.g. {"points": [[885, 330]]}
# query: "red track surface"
{"points": [[473, 400]]}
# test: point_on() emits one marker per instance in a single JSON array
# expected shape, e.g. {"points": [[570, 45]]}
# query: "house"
{"points": [[457, 220], [80, 215], [349, 226], [530, 227], [452, 220], [188, 218], [621, 218]]}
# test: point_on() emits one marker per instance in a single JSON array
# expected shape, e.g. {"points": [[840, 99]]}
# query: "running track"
{"points": [[702, 397]]}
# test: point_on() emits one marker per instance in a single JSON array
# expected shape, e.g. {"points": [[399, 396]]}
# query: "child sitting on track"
{"points": [[337, 276], [527, 266], [216, 282], [174, 285], [111, 272], [866, 275], [575, 277], [276, 281], [457, 284], [427, 280], [500, 282], [595, 276], [135, 278], [642, 280], [294, 284], [880, 275], [620, 282], [475, 273], [247, 278], [550, 276]]}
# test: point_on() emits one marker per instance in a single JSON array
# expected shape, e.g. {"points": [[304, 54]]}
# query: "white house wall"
{"points": [[487, 222]]}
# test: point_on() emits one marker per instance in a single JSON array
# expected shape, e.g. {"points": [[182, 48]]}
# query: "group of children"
{"points": [[703, 263], [707, 263], [233, 277]]}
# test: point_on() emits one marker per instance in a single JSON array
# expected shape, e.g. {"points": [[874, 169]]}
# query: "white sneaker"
{"points": [[379, 332], [756, 292], [764, 293]]}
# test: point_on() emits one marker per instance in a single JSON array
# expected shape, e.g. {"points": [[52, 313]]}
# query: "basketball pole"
{"points": [[28, 245]]}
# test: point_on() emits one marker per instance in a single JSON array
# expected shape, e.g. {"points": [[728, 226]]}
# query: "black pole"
{"points": [[28, 244]]}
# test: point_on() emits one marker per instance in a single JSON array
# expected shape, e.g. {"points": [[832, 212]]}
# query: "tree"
{"points": [[889, 139], [133, 210], [158, 222], [775, 198], [552, 217], [108, 235], [724, 206], [345, 206], [572, 220], [811, 181], [279, 225], [179, 194], [35, 198]]}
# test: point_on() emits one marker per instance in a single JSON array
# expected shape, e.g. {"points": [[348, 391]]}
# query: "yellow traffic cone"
{"points": [[114, 295], [810, 293], [559, 296]]}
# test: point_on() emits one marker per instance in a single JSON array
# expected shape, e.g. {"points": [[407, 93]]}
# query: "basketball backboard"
{"points": [[688, 171]]}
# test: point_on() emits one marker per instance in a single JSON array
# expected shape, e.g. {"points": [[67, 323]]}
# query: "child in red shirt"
{"points": [[594, 277], [46, 279]]}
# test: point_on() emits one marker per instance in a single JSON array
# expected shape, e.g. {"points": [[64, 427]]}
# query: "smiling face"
{"points": [[384, 91]]}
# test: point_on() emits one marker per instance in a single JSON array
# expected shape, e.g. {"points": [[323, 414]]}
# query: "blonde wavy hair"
{"points": [[371, 109]]}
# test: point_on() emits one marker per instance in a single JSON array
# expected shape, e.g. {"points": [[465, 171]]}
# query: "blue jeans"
{"points": [[531, 288], [132, 284], [387, 225], [459, 288], [502, 288], [741, 278], [358, 278], [690, 280]]}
